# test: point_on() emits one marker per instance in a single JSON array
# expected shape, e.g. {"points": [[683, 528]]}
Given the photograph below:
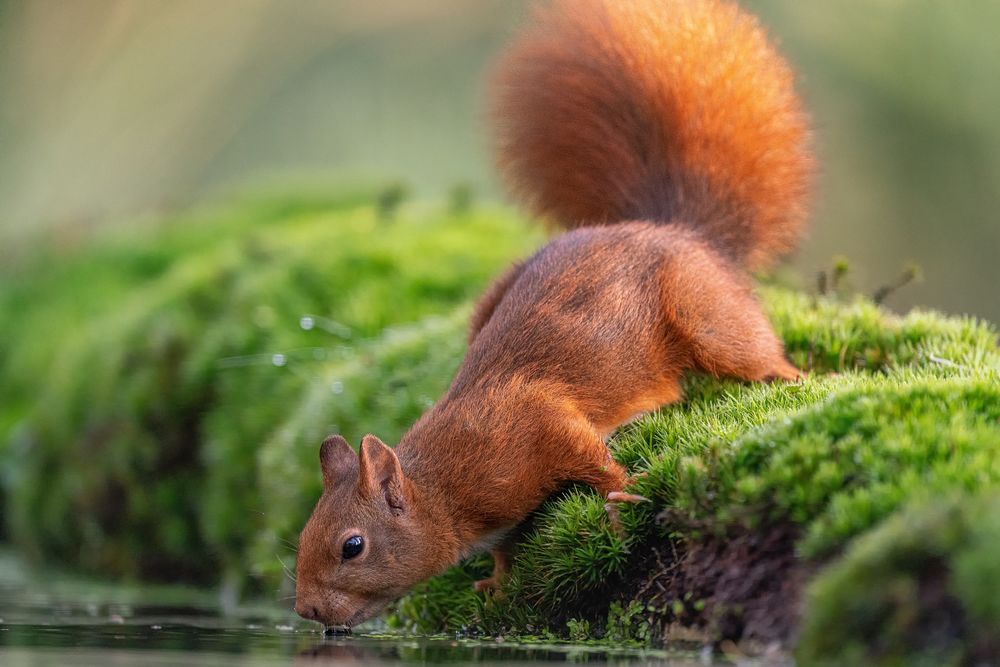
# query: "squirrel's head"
{"points": [[368, 540]]}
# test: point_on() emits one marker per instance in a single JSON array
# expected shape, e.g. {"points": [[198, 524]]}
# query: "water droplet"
{"points": [[307, 323], [279, 360], [337, 387]]}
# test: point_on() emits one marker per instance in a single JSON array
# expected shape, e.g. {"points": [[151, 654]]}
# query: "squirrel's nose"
{"points": [[306, 611]]}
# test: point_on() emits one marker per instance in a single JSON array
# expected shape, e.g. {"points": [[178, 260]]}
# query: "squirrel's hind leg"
{"points": [[713, 310]]}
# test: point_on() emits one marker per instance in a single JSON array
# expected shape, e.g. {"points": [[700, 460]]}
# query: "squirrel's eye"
{"points": [[353, 546]]}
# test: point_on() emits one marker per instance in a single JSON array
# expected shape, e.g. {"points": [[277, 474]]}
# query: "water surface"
{"points": [[55, 620]]}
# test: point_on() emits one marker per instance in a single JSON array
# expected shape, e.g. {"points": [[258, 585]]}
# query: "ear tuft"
{"points": [[337, 460], [380, 473]]}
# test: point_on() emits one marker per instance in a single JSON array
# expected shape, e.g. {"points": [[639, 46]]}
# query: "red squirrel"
{"points": [[667, 137]]}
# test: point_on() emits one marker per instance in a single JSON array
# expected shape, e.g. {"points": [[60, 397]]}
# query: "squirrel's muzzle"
{"points": [[335, 610]]}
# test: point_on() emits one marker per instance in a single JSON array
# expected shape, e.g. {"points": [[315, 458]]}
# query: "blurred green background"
{"points": [[114, 109]]}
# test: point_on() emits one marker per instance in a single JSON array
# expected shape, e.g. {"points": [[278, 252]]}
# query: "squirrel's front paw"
{"points": [[491, 585]]}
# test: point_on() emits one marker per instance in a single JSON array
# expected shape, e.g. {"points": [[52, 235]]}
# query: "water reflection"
{"points": [[193, 645], [389, 650], [47, 620]]}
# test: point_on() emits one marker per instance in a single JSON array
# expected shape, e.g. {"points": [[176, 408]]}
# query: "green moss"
{"points": [[627, 624], [137, 451], [449, 604], [845, 464], [920, 589]]}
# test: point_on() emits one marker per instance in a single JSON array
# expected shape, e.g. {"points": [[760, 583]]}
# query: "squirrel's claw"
{"points": [[616, 498], [622, 497]]}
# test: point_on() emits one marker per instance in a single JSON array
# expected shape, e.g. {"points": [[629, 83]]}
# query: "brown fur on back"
{"points": [[610, 110]]}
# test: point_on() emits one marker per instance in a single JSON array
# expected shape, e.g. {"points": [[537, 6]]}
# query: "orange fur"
{"points": [[677, 122], [611, 110]]}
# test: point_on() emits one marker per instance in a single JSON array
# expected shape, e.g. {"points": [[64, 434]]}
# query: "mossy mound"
{"points": [[921, 589]]}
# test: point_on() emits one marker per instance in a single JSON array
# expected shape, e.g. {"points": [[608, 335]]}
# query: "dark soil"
{"points": [[745, 586]]}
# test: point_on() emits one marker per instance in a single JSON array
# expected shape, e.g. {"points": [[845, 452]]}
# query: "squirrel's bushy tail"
{"points": [[669, 110]]}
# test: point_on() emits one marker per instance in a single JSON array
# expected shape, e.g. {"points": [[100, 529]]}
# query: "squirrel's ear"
{"points": [[338, 461], [380, 473]]}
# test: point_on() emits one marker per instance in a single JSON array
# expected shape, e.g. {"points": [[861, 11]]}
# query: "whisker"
{"points": [[288, 572]]}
